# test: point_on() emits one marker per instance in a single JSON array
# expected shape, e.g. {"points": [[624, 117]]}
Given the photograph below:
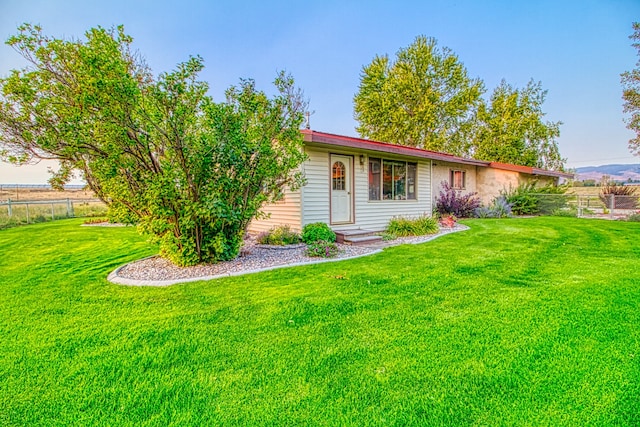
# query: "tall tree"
{"points": [[511, 129], [424, 98], [161, 153], [631, 94]]}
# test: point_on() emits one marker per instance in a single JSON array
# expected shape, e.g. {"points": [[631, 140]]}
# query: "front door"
{"points": [[340, 185]]}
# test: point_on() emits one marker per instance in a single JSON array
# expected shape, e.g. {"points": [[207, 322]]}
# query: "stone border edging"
{"points": [[113, 277]]}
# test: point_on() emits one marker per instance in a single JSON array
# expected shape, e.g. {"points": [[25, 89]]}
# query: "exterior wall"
{"points": [[370, 215], [282, 212], [490, 181], [441, 172]]}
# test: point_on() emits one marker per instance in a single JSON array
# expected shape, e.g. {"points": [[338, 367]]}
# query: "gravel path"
{"points": [[156, 271]]}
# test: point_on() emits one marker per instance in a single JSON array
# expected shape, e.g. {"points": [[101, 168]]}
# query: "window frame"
{"points": [[452, 179], [377, 190]]}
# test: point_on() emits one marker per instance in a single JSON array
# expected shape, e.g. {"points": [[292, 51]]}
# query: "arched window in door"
{"points": [[338, 176]]}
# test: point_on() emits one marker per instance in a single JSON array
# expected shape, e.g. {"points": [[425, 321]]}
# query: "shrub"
{"points": [[453, 202], [322, 249], [448, 221], [566, 212], [624, 196], [279, 236], [499, 208], [317, 231], [522, 199], [634, 217], [402, 226], [529, 199]]}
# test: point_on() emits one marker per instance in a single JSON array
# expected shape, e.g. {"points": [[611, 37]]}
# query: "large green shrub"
{"points": [[529, 199], [317, 231], [403, 226], [157, 150]]}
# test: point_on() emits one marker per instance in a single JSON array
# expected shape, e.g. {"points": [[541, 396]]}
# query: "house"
{"points": [[354, 183]]}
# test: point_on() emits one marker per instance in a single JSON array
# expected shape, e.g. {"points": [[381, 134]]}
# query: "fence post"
{"points": [[579, 202], [9, 207], [53, 217], [69, 208], [28, 219], [612, 203]]}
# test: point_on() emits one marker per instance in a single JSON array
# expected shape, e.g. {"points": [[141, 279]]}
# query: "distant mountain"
{"points": [[621, 173]]}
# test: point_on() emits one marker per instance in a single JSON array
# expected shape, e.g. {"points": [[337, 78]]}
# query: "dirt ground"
{"points": [[18, 193]]}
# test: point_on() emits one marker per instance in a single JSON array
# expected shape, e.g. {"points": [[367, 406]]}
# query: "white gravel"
{"points": [[156, 271]]}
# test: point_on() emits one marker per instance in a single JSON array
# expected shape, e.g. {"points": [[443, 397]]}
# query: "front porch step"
{"points": [[357, 237]]}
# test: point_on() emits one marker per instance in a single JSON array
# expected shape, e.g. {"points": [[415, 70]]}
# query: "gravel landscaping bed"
{"points": [[156, 271]]}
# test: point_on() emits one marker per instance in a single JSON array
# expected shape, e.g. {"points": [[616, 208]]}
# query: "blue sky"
{"points": [[577, 49]]}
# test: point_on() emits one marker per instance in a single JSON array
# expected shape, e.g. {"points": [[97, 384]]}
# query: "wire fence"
{"points": [[607, 206], [33, 211]]}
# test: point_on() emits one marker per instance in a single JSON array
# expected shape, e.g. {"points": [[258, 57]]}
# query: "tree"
{"points": [[631, 94], [511, 129], [159, 152], [424, 99]]}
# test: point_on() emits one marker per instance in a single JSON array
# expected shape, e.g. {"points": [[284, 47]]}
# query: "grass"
{"points": [[22, 214], [514, 322]]}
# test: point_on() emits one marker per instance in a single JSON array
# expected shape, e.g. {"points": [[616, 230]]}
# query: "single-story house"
{"points": [[354, 183]]}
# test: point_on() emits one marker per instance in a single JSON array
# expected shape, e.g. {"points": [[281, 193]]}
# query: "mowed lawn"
{"points": [[526, 322]]}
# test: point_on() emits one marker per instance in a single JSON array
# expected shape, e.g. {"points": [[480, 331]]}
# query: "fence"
{"points": [[608, 206], [32, 211]]}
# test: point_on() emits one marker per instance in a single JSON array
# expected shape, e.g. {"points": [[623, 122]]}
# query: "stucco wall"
{"points": [[441, 172], [489, 182]]}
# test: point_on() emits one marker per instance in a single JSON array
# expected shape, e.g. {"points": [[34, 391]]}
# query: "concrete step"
{"points": [[357, 236], [362, 240]]}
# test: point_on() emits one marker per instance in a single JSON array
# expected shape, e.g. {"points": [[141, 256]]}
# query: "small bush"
{"points": [[499, 208], [624, 196], [402, 226], [322, 249], [448, 221], [279, 236], [317, 231], [386, 236], [571, 212], [453, 202], [635, 217]]}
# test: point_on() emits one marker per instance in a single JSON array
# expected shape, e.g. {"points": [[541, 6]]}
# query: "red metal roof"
{"points": [[323, 138]]}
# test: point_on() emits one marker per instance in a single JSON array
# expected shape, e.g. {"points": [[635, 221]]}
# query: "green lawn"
{"points": [[514, 322]]}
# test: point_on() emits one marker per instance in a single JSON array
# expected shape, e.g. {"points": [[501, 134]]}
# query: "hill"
{"points": [[622, 173]]}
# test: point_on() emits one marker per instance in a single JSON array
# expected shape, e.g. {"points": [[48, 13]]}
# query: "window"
{"points": [[457, 179], [374, 178], [338, 176], [392, 180]]}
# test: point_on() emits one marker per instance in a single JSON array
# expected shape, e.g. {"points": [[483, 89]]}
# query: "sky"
{"points": [[576, 49]]}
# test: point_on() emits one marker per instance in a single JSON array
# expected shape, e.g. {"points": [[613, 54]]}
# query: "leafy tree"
{"points": [[631, 94], [424, 99], [159, 152], [510, 129]]}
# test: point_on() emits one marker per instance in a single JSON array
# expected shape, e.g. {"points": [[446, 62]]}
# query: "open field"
{"points": [[17, 193], [522, 322]]}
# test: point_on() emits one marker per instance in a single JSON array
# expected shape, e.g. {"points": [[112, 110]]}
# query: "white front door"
{"points": [[340, 186]]}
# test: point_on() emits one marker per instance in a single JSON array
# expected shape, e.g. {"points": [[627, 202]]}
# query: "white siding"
{"points": [[315, 194], [371, 215], [282, 212]]}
